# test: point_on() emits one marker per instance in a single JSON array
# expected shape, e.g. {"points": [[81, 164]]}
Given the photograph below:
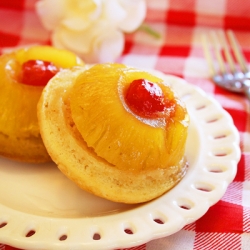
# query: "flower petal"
{"points": [[51, 12], [92, 7], [76, 23], [57, 41], [109, 46], [79, 42], [98, 10], [136, 12], [113, 12]]}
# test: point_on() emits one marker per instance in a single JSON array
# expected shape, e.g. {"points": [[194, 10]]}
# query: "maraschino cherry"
{"points": [[145, 98], [38, 72]]}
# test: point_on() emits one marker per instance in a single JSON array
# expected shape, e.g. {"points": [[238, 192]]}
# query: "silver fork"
{"points": [[233, 73]]}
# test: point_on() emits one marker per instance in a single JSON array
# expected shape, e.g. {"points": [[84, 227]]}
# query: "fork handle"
{"points": [[247, 88]]}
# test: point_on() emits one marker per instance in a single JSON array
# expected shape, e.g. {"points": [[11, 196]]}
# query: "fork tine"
{"points": [[228, 55], [217, 47], [208, 56], [237, 51]]}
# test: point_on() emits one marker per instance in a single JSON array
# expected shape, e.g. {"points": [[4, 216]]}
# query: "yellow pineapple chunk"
{"points": [[117, 134]]}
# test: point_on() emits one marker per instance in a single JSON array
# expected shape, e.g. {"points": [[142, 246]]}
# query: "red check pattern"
{"points": [[226, 225]]}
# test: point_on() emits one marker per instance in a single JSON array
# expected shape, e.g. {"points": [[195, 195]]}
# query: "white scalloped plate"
{"points": [[42, 209]]}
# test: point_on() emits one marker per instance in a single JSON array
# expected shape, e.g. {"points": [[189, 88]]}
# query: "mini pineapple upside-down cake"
{"points": [[24, 73], [116, 131]]}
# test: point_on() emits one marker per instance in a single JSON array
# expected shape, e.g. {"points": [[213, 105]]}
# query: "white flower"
{"points": [[93, 29]]}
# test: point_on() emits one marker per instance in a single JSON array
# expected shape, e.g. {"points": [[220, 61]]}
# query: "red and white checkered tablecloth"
{"points": [[226, 225]]}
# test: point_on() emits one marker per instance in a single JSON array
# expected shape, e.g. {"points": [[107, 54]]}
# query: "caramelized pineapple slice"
{"points": [[61, 58], [114, 131], [18, 101]]}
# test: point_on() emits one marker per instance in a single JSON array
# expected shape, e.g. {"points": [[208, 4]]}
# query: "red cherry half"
{"points": [[145, 98], [38, 72]]}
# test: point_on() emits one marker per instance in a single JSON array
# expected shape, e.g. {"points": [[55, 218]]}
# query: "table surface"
{"points": [[178, 51]]}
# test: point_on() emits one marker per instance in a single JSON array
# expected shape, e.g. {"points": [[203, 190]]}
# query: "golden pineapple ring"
{"points": [[97, 142], [19, 131]]}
